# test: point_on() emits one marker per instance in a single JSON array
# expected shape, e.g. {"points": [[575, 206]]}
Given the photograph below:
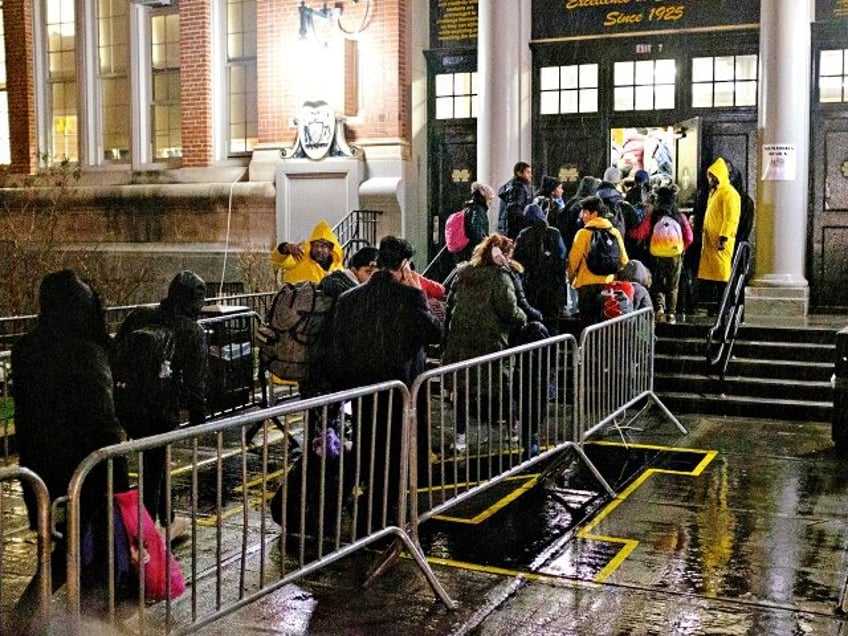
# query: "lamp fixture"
{"points": [[330, 14]]}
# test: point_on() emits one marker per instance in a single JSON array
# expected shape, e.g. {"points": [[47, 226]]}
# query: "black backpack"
{"points": [[604, 256], [145, 386]]}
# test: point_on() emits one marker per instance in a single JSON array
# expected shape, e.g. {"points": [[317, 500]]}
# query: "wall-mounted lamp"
{"points": [[330, 14]]}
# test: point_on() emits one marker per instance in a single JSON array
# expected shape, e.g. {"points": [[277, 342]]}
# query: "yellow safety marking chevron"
{"points": [[628, 545]]}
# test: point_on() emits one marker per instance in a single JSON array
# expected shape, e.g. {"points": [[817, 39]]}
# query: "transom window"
{"points": [[833, 76], [724, 81], [568, 89], [456, 95], [644, 85]]}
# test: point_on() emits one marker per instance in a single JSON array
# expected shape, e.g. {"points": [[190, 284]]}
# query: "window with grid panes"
{"points": [[568, 89]]}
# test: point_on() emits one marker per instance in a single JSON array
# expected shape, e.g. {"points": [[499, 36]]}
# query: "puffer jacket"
{"points": [[483, 310]]}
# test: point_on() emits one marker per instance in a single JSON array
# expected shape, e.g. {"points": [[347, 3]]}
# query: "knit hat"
{"points": [[549, 184], [533, 212], [588, 186], [483, 190], [612, 175], [635, 272], [641, 176]]}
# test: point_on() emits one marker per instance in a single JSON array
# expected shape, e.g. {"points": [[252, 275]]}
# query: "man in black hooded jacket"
{"points": [[62, 386], [178, 312]]}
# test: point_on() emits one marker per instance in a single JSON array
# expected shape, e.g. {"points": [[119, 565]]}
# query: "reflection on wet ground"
{"points": [[739, 527]]}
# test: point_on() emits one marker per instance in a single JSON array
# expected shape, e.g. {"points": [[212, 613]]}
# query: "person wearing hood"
{"points": [[541, 250], [639, 276], [718, 236], [483, 310], [588, 284], [64, 410], [177, 313], [311, 260]]}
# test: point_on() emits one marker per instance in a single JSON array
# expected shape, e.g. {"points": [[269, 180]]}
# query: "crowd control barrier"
{"points": [[43, 580], [335, 480], [518, 409], [616, 373]]}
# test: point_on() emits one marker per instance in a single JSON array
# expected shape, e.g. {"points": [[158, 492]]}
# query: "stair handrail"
{"points": [[357, 229], [722, 335]]}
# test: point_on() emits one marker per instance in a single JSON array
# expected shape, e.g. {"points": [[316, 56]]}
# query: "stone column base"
{"points": [[779, 302]]}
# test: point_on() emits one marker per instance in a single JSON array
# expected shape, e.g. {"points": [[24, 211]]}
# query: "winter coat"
{"points": [[337, 282], [378, 332], [483, 310], [306, 269], [179, 311], [514, 196], [62, 386], [638, 275], [721, 219], [578, 271], [541, 250]]}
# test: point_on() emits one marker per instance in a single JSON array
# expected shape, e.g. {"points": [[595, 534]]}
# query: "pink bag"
{"points": [[153, 552]]}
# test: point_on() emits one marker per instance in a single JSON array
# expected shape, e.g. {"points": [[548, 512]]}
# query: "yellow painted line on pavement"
{"points": [[530, 482], [628, 545]]}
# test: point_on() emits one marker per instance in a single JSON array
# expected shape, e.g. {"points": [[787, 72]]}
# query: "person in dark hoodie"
{"points": [[541, 250], [178, 312], [619, 212], [64, 411]]}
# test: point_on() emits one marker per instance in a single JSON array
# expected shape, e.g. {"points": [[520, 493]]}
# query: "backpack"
{"points": [[616, 299], [292, 328], [666, 238], [144, 382], [456, 238], [604, 256]]}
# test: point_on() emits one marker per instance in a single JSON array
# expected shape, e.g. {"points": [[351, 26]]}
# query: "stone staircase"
{"points": [[775, 372]]}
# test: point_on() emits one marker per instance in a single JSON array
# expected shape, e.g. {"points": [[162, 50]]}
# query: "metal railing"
{"points": [[731, 311], [516, 409], [7, 407], [35, 607], [616, 372], [357, 229], [328, 507]]}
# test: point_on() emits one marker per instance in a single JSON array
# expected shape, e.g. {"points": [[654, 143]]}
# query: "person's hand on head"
{"points": [[409, 276]]}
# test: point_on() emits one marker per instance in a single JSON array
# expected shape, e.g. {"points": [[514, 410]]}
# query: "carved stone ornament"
{"points": [[320, 133]]}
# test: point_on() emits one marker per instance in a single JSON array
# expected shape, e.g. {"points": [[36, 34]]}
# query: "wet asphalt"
{"points": [[738, 527]]}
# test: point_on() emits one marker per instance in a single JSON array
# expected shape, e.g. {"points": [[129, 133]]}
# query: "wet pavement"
{"points": [[738, 527]]}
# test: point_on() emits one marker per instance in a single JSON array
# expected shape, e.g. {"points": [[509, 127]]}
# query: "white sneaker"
{"points": [[459, 444]]}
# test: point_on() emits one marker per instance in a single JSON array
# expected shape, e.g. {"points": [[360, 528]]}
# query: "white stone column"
{"points": [[779, 286], [504, 100]]}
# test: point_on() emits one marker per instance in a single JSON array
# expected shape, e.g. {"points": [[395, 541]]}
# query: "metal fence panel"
{"points": [[328, 507]]}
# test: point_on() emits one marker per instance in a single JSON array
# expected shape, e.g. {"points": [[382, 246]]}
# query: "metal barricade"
{"points": [[616, 372], [343, 485], [518, 409], [7, 405], [36, 608], [232, 374]]}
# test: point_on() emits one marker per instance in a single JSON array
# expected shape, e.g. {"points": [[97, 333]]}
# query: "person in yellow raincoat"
{"points": [[719, 233], [311, 260]]}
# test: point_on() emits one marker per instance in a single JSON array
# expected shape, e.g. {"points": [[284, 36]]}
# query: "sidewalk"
{"points": [[754, 544]]}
